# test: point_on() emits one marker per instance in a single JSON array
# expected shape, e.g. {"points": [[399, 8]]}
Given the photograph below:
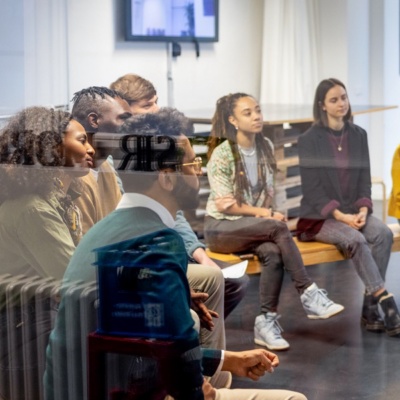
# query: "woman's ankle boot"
{"points": [[392, 317], [370, 317]]}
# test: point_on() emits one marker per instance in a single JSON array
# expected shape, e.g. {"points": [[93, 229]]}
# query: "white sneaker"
{"points": [[267, 332], [317, 305]]}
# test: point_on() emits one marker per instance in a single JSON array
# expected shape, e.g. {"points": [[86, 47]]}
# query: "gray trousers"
{"points": [[272, 241], [368, 248]]}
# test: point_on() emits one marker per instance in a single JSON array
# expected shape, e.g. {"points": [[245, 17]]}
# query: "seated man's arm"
{"points": [[194, 248]]}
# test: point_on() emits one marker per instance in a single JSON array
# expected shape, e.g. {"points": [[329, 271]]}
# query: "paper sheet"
{"points": [[235, 270]]}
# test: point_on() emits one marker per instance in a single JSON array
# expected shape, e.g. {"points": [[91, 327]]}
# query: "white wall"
{"points": [[52, 48], [11, 56], [360, 45], [333, 39], [390, 133], [98, 53]]}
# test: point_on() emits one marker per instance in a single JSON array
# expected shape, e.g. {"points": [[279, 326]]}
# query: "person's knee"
{"points": [[282, 229], [386, 234], [214, 277], [269, 254], [353, 244], [205, 278]]}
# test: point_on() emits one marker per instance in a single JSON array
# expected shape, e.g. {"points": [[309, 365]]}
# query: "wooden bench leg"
{"points": [[379, 181]]}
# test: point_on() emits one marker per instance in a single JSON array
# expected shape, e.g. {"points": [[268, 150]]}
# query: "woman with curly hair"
{"points": [[241, 218], [42, 150]]}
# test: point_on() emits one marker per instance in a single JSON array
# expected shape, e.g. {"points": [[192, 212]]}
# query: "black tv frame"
{"points": [[129, 36]]}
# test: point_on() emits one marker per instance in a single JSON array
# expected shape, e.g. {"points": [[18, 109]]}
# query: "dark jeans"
{"points": [[235, 289], [272, 241]]}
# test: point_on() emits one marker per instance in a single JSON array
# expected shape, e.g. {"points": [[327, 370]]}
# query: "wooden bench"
{"points": [[311, 253]]}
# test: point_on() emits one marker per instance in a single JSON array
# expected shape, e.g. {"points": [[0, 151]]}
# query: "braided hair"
{"points": [[222, 130], [90, 100]]}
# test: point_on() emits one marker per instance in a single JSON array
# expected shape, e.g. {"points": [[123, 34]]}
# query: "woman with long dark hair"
{"points": [[336, 207], [240, 215]]}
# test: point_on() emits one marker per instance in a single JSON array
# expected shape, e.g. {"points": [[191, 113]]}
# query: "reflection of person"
{"points": [[240, 217], [142, 98], [36, 200], [99, 109], [394, 200], [149, 205], [104, 110], [43, 150], [336, 206]]}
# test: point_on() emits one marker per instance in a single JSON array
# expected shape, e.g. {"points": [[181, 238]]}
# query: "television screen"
{"points": [[172, 20]]}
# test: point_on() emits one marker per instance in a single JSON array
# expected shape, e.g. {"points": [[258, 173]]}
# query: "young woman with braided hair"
{"points": [[240, 216]]}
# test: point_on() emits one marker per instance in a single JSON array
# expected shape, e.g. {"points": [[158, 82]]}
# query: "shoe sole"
{"points": [[262, 343], [373, 327], [394, 332], [325, 316]]}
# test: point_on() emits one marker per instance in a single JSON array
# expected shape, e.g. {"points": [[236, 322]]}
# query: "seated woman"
{"points": [[336, 207], [42, 150], [394, 200], [240, 217]]}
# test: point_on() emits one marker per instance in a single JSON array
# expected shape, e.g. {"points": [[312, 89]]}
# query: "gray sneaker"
{"points": [[267, 332], [317, 305]]}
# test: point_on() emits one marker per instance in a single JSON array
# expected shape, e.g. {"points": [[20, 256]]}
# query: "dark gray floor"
{"points": [[333, 359]]}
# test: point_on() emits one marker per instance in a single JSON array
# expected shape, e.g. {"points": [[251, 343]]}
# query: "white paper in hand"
{"points": [[235, 270]]}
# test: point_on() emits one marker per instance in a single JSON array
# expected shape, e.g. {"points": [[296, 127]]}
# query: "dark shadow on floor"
{"points": [[332, 359]]}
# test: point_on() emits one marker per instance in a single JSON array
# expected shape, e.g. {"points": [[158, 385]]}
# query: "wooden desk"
{"points": [[278, 114]]}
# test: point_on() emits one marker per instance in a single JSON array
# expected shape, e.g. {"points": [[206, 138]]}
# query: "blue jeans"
{"points": [[368, 248]]}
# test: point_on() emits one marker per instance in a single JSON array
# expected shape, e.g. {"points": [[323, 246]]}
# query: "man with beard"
{"points": [[161, 182], [144, 210], [102, 110], [142, 98]]}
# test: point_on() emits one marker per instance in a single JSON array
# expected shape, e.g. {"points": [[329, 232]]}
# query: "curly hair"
{"points": [[134, 88], [222, 130], [168, 124], [31, 151]]}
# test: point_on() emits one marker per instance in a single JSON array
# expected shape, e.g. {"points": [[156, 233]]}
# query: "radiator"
{"points": [[28, 307]]}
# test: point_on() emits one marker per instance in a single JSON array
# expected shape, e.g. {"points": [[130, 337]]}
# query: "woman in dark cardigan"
{"points": [[336, 206]]}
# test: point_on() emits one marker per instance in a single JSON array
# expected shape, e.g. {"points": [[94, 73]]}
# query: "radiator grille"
{"points": [[28, 307]]}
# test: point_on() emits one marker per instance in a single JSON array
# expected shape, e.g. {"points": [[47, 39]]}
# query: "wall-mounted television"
{"points": [[172, 20]]}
